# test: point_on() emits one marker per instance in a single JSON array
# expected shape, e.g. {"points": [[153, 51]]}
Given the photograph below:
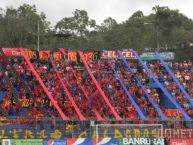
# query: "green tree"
{"points": [[78, 25], [19, 27]]}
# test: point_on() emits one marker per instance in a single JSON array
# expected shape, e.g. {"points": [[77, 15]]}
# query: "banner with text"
{"points": [[152, 56], [22, 142], [54, 142], [142, 141], [80, 141], [181, 141], [89, 55], [105, 133], [105, 141], [112, 54]]}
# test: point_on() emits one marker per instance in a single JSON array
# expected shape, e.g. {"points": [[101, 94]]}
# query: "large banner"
{"points": [[80, 141], [22, 142], [12, 51], [106, 141], [29, 142], [142, 141], [33, 54], [181, 141], [112, 54], [89, 55], [105, 133], [54, 142], [152, 56]]}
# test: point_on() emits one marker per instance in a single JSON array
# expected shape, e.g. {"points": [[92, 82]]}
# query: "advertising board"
{"points": [[181, 141], [142, 141]]}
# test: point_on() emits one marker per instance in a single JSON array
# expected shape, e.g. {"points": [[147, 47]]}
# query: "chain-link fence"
{"points": [[57, 128]]}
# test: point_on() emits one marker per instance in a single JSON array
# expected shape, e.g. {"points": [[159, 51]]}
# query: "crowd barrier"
{"points": [[86, 141], [101, 141], [44, 128]]}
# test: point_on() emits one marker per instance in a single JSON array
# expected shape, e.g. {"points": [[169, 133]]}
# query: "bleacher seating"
{"points": [[81, 96]]}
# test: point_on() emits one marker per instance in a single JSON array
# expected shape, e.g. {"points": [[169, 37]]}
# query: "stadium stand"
{"points": [[101, 90]]}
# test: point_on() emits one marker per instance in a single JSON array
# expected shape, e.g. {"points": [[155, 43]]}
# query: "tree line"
{"points": [[163, 28]]}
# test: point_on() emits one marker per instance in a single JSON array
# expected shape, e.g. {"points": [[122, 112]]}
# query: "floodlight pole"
{"points": [[156, 30], [157, 33], [38, 36]]}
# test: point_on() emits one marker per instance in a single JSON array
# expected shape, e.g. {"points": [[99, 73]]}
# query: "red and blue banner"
{"points": [[106, 141], [54, 142], [177, 141], [80, 141]]}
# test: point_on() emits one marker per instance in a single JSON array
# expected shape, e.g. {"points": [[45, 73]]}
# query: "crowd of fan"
{"points": [[112, 89], [184, 73], [24, 96]]}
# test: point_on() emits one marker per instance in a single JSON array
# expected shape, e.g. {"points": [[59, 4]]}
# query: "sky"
{"points": [[99, 10]]}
